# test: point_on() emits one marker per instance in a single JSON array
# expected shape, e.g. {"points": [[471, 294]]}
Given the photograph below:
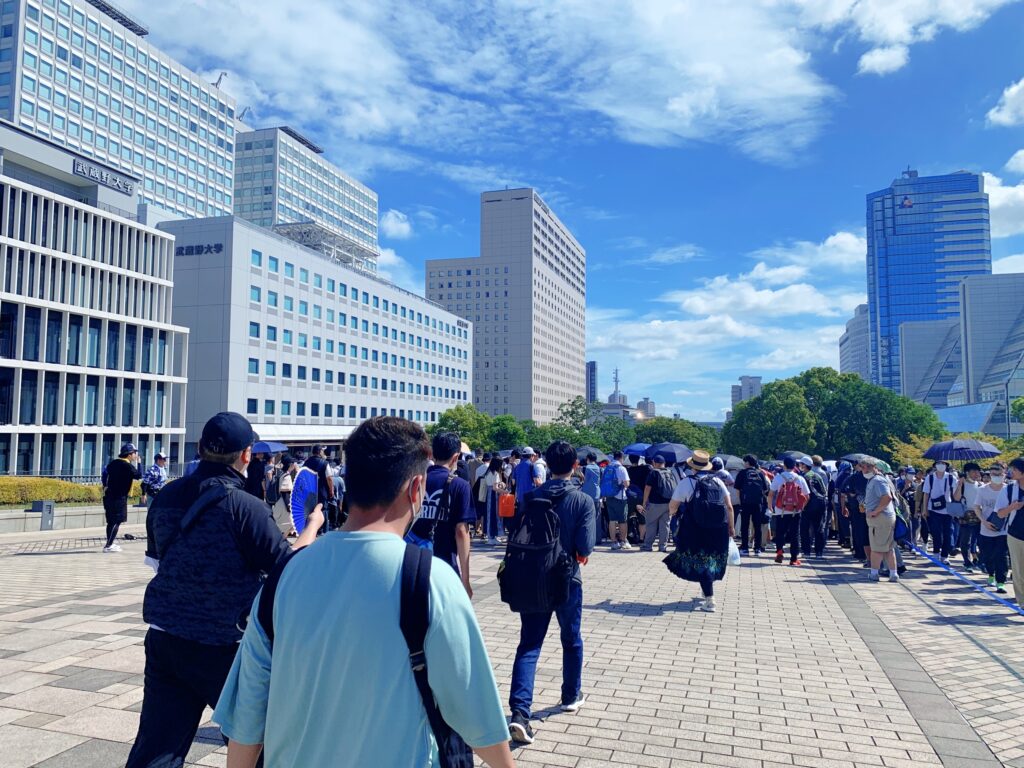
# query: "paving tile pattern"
{"points": [[790, 671]]}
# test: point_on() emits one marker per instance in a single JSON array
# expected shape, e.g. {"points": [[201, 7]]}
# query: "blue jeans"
{"points": [[531, 637], [492, 523], [941, 528]]}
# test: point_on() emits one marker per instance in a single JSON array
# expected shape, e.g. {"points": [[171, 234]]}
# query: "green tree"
{"points": [[1017, 409], [611, 434], [537, 436], [506, 432], [467, 422], [662, 429], [775, 421]]}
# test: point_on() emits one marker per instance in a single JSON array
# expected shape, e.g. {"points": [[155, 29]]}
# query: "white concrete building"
{"points": [[526, 295], [82, 74], [283, 181], [748, 388], [89, 356], [855, 345], [306, 347], [647, 407]]}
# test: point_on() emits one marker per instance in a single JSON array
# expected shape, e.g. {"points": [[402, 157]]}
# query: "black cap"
{"points": [[128, 449], [227, 432]]}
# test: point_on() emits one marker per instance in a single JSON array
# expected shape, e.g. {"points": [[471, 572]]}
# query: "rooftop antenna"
{"points": [[615, 378], [244, 112], [219, 79]]}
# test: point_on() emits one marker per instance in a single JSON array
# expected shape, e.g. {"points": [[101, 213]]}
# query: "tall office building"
{"points": [[748, 388], [854, 356], [930, 361], [526, 295], [303, 345], [647, 408], [592, 381], [924, 235], [82, 74], [283, 181], [89, 355]]}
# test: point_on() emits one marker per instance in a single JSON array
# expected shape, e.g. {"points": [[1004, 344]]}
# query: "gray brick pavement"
{"points": [[799, 667]]}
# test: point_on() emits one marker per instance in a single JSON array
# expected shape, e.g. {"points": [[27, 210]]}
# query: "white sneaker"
{"points": [[626, 545], [573, 706], [493, 542], [707, 605], [112, 548]]}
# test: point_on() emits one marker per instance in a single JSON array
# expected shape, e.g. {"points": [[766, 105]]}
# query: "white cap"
{"points": [[806, 461], [527, 451]]}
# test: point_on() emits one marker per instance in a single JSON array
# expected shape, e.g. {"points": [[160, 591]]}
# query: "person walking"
{"points": [[325, 674], [614, 486], [210, 543], [154, 479], [992, 541], [659, 486], [577, 529], [752, 486], [787, 497], [705, 529], [881, 519], [1009, 505], [117, 487], [966, 493], [938, 493], [492, 488]]}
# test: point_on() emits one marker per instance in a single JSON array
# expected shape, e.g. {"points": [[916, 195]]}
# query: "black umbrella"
{"points": [[961, 450], [673, 453], [794, 455], [581, 453], [856, 458], [732, 463]]}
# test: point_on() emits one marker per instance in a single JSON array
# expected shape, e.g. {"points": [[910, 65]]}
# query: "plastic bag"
{"points": [[734, 552]]}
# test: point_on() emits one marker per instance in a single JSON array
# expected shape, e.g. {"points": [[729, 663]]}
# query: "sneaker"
{"points": [[968, 569], [573, 706], [991, 581], [112, 548], [894, 579], [743, 552], [1000, 589], [626, 546], [778, 555], [492, 542], [796, 562], [519, 729], [865, 563], [758, 552], [663, 549], [945, 561], [707, 605], [616, 545]]}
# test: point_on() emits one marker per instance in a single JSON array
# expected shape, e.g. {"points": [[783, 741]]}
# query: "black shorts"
{"points": [[116, 509]]}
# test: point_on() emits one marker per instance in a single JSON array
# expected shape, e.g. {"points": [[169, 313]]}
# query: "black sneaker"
{"points": [[519, 729], [901, 569], [745, 552]]}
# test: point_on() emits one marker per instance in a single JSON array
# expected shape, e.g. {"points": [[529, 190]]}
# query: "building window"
{"points": [[286, 336], [254, 330], [271, 298], [302, 373], [300, 409], [272, 264], [257, 258], [314, 410], [254, 293], [318, 282], [289, 271], [343, 290], [270, 368], [303, 308], [254, 366], [303, 275], [252, 405], [286, 370], [271, 333], [328, 410], [303, 341], [268, 407], [286, 407]]}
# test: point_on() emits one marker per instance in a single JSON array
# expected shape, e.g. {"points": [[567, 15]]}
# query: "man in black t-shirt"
{"points": [[752, 485], [120, 474], [634, 494], [658, 487]]}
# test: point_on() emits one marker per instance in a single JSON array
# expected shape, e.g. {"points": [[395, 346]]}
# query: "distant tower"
{"points": [[647, 408], [616, 397], [592, 381]]}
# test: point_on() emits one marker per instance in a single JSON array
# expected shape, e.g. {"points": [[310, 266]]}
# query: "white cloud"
{"points": [[882, 61], [762, 274], [685, 393], [1016, 163], [1008, 264], [1006, 206], [1010, 109], [796, 357], [395, 225], [675, 254], [393, 267], [723, 294], [842, 251]]}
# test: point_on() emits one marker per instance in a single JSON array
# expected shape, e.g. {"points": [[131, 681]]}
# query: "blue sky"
{"points": [[712, 158]]}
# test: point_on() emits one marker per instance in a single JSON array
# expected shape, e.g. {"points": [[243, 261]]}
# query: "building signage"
{"points": [[198, 250], [102, 176], [463, 324]]}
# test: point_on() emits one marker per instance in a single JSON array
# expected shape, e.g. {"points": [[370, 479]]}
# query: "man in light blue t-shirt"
{"points": [[337, 687]]}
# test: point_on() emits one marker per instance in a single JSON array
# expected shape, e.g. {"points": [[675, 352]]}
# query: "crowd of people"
{"points": [[250, 603]]}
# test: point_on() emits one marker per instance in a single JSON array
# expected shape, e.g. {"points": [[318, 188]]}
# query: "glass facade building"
{"points": [[283, 181], [924, 235], [81, 74]]}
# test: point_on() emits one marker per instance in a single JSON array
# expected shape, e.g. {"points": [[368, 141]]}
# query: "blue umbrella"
{"points": [[961, 450], [268, 446], [673, 453], [636, 449]]}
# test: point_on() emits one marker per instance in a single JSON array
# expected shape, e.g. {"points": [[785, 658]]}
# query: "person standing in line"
{"points": [[1009, 506], [787, 497], [992, 542], [938, 492], [881, 519], [705, 529], [256, 477], [120, 474], [589, 477], [659, 486], [813, 520], [492, 487], [966, 492], [576, 533], [752, 487], [154, 479], [330, 681], [614, 486], [526, 475], [480, 493], [638, 474]]}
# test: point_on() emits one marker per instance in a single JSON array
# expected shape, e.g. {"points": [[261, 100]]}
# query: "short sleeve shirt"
{"points": [[878, 487], [461, 510]]}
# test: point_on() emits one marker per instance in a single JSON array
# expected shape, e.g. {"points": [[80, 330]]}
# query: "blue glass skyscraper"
{"points": [[924, 234]]}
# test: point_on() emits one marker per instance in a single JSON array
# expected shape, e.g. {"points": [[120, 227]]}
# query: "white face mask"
{"points": [[868, 475], [995, 479], [940, 467]]}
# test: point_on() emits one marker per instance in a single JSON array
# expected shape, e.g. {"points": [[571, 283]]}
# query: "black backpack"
{"points": [[273, 492], [707, 507], [666, 480], [536, 573], [414, 619], [753, 488], [819, 493]]}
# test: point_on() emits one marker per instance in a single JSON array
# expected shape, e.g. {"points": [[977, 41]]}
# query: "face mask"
{"points": [[868, 475], [996, 479], [940, 467], [417, 509]]}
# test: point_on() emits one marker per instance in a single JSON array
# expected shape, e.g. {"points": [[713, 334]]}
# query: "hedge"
{"points": [[25, 490]]}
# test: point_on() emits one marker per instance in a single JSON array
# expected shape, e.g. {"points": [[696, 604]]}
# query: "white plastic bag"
{"points": [[734, 552]]}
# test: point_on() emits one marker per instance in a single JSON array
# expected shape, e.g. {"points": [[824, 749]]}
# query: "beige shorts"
{"points": [[881, 533]]}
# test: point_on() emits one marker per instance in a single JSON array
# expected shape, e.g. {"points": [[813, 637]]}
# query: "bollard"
{"points": [[45, 510]]}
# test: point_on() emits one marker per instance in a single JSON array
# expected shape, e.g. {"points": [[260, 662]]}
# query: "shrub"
{"points": [[25, 490]]}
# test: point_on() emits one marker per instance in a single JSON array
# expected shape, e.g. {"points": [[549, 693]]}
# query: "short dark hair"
{"points": [[561, 457], [617, 455], [788, 462], [515, 455], [750, 459], [1017, 464], [444, 446], [591, 458], [380, 456], [487, 457], [634, 459], [219, 458], [971, 466], [316, 450]]}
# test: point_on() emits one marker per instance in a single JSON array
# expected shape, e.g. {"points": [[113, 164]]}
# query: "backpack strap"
{"points": [[265, 607], [414, 620]]}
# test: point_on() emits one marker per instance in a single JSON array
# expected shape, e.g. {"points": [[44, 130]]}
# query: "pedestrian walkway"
{"points": [[804, 666]]}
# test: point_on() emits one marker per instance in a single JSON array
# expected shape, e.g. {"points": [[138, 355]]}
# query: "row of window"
{"points": [[272, 408], [383, 384]]}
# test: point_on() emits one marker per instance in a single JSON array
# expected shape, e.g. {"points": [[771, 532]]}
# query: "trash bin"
{"points": [[45, 510]]}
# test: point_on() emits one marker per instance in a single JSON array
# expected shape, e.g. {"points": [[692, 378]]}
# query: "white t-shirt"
{"points": [[970, 492], [986, 501], [780, 480], [684, 490], [936, 487]]}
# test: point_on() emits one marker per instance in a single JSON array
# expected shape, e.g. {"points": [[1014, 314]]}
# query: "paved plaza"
{"points": [[807, 667]]}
